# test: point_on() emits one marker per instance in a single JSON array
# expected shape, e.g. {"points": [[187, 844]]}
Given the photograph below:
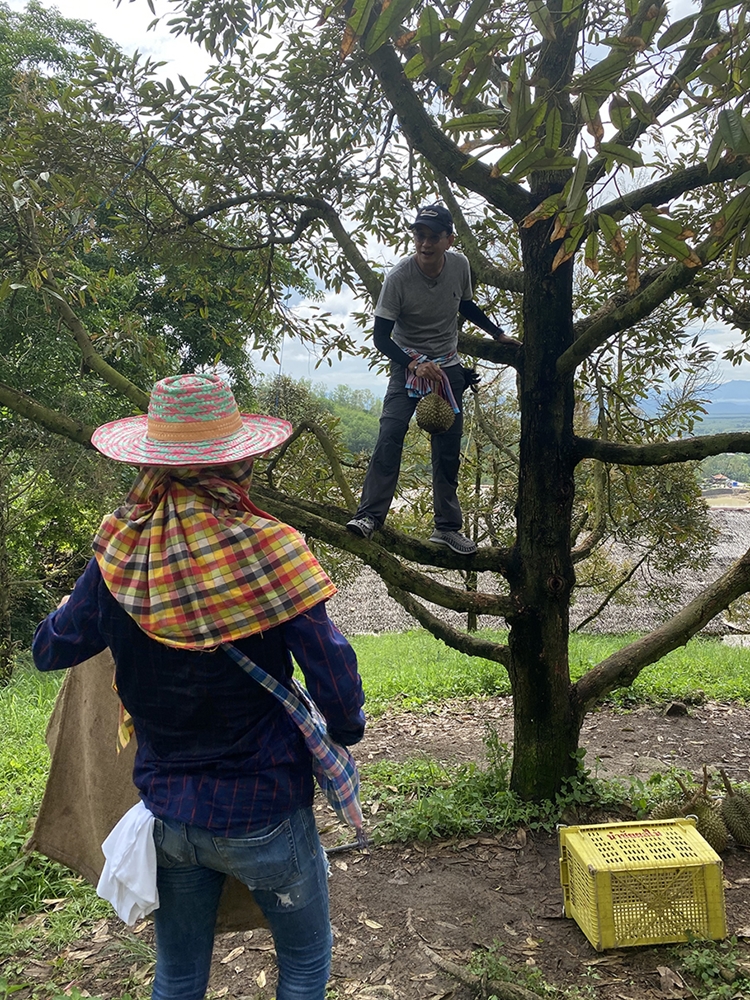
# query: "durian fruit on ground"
{"points": [[735, 811], [434, 414], [709, 822], [710, 825]]}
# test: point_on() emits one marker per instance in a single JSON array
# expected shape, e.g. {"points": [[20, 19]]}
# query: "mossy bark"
{"points": [[541, 575]]}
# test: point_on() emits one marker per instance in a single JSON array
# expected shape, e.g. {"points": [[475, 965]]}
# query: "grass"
{"points": [[412, 670], [419, 799]]}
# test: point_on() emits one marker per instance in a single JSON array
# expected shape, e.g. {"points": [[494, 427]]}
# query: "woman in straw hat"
{"points": [[186, 564]]}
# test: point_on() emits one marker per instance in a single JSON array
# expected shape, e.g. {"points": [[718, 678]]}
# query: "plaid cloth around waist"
{"points": [[417, 387]]}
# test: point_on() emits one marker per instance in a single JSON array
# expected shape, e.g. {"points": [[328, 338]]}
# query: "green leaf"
{"points": [[732, 131], [640, 106], [623, 154], [415, 66], [360, 16], [526, 163], [479, 78], [477, 9], [672, 246], [544, 210], [609, 228], [480, 120], [604, 78], [553, 128], [620, 112], [577, 183], [591, 253], [428, 33], [714, 151], [662, 222], [519, 106], [508, 160], [388, 21], [589, 107], [542, 19], [677, 31]]}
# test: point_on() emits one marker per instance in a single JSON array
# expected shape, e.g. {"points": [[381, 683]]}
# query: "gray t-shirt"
{"points": [[425, 309]]}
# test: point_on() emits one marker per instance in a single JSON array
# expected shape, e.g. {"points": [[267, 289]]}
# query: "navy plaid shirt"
{"points": [[214, 749]]}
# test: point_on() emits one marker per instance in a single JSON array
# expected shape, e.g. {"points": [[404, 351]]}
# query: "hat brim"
{"points": [[127, 441], [434, 225]]}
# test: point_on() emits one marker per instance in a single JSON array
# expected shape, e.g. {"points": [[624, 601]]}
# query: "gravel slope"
{"points": [[365, 606]]}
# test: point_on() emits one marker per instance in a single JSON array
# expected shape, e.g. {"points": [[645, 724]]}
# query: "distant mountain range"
{"points": [[730, 399], [730, 402]]}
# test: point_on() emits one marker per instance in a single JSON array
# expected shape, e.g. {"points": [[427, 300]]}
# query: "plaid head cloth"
{"points": [[196, 564], [334, 767]]}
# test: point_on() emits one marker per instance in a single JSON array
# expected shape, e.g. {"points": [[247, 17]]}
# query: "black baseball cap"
{"points": [[435, 217]]}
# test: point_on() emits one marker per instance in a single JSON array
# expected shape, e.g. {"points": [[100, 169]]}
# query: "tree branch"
{"points": [[703, 35], [587, 546], [615, 590], [490, 432], [439, 151], [642, 304], [25, 406], [326, 522], [91, 359], [393, 572], [461, 641], [621, 669], [668, 188], [489, 350], [661, 452], [316, 209], [330, 453], [483, 268]]}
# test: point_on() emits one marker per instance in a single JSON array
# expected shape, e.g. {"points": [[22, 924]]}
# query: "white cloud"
{"points": [[127, 25]]}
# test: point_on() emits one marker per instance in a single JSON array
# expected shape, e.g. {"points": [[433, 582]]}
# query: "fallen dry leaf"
{"points": [[234, 953], [261, 979], [668, 980]]}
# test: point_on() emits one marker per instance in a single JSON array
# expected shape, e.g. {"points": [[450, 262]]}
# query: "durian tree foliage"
{"points": [[595, 158]]}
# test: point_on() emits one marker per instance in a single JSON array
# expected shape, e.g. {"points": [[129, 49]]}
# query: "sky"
{"points": [[127, 24]]}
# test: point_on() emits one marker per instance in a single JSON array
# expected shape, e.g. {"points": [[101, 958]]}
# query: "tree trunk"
{"points": [[6, 637], [542, 575]]}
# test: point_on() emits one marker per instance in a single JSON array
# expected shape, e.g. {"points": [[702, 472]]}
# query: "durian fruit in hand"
{"points": [[435, 414], [735, 811]]}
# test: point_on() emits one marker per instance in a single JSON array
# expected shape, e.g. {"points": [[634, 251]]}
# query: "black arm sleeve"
{"points": [[382, 340], [471, 311]]}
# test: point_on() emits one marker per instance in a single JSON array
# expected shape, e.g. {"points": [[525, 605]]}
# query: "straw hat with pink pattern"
{"points": [[192, 420]]}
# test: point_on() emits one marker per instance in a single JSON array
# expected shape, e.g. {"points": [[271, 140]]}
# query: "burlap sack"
{"points": [[90, 785]]}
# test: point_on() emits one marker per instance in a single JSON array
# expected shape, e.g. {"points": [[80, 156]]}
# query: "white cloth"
{"points": [[128, 879]]}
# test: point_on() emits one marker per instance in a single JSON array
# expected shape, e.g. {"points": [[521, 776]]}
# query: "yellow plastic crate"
{"points": [[642, 883]]}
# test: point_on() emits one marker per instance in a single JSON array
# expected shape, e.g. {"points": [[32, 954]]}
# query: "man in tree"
{"points": [[416, 326]]}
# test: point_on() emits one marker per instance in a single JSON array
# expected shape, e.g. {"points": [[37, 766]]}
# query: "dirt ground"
{"points": [[400, 912]]}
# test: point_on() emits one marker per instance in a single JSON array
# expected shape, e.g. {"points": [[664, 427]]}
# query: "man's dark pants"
{"points": [[385, 464]]}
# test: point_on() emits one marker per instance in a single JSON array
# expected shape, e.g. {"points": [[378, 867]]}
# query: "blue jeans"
{"points": [[286, 869]]}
